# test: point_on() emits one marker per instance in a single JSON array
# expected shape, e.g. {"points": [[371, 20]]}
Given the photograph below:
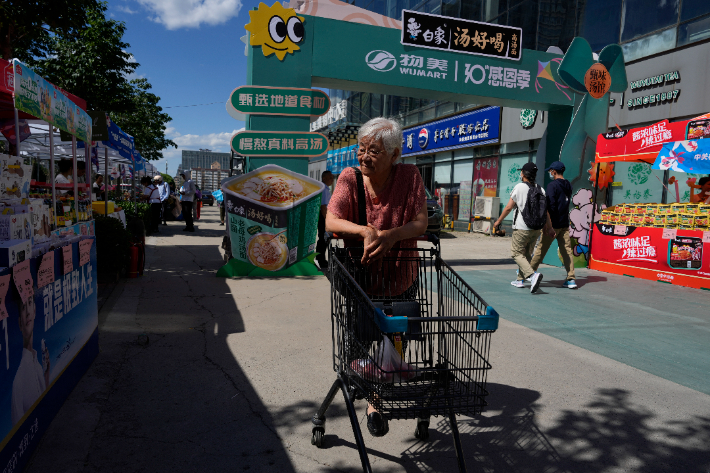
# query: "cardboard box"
{"points": [[16, 227], [14, 251]]}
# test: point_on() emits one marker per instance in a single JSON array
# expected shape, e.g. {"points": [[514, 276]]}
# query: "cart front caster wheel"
{"points": [[422, 430], [317, 438]]}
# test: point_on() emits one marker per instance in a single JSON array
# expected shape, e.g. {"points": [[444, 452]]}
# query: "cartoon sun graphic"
{"points": [[606, 174], [276, 29]]}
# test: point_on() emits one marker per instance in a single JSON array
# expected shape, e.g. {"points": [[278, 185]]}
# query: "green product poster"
{"points": [[509, 177], [273, 218]]}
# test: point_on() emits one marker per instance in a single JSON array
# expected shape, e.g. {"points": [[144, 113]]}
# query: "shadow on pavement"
{"points": [[609, 434], [166, 393]]}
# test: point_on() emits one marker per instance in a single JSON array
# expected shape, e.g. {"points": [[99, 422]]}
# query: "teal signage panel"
{"points": [[376, 62], [279, 144]]}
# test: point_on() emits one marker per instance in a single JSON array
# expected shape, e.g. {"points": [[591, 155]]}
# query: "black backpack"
{"points": [[535, 211]]}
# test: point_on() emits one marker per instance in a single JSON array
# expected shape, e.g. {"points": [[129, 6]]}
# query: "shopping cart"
{"points": [[436, 322]]}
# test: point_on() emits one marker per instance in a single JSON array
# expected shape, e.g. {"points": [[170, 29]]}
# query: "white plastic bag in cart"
{"points": [[388, 366]]}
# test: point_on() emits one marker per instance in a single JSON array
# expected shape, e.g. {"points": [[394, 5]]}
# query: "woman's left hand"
{"points": [[379, 246]]}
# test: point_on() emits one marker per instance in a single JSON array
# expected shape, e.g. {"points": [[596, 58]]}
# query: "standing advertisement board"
{"points": [[485, 177], [48, 338], [273, 221]]}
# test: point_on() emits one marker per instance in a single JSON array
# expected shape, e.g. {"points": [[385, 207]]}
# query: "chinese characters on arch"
{"points": [[425, 30]]}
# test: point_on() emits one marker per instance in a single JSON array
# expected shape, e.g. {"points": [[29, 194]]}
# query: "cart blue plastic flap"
{"points": [[488, 321], [390, 324]]}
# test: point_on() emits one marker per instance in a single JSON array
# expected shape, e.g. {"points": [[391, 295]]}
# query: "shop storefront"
{"points": [[457, 158]]}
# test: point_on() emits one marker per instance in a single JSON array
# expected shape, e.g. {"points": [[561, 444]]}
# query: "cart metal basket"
{"points": [[438, 324]]}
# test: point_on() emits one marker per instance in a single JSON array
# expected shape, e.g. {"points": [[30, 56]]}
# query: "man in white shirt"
{"points": [[321, 246], [524, 238], [164, 190], [151, 194], [187, 191], [31, 378]]}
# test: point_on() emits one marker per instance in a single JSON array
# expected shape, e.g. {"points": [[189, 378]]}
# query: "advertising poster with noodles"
{"points": [[273, 216]]}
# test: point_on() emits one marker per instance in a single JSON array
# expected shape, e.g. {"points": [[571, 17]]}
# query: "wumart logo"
{"points": [[381, 61]]}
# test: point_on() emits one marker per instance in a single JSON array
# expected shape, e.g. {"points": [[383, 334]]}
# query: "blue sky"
{"points": [[191, 52]]}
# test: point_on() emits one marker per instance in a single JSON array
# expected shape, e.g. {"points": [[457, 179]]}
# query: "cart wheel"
{"points": [[422, 430], [317, 438]]}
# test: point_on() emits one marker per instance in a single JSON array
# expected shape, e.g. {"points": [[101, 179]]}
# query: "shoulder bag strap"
{"points": [[361, 202]]}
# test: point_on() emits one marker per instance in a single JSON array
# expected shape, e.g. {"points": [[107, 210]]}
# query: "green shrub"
{"points": [[140, 210], [112, 245]]}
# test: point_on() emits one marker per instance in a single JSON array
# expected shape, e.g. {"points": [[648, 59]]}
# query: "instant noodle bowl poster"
{"points": [[273, 217]]}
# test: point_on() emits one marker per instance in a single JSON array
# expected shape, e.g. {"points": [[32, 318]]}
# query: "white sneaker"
{"points": [[536, 280], [517, 274], [517, 283], [571, 284]]}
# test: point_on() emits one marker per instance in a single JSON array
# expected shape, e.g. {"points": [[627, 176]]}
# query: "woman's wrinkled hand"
{"points": [[377, 243]]}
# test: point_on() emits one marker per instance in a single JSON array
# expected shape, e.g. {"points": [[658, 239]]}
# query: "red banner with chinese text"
{"points": [[680, 257]]}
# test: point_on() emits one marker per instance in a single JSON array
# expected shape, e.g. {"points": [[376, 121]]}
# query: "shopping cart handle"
{"points": [[488, 321], [430, 237], [390, 324]]}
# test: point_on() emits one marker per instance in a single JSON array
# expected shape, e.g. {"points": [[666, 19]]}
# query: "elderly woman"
{"points": [[395, 204]]}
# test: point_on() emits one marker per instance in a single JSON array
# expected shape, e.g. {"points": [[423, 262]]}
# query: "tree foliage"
{"points": [[145, 121], [93, 63], [26, 26]]}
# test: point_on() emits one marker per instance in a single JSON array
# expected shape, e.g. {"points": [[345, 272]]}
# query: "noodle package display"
{"points": [[273, 216]]}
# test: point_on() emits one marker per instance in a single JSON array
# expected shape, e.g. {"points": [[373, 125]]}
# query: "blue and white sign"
{"points": [[476, 128], [342, 158]]}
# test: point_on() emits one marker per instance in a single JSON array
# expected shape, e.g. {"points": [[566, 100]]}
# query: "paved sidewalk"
{"points": [[198, 373]]}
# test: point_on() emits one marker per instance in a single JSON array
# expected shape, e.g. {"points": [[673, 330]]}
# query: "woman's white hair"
{"points": [[389, 131]]}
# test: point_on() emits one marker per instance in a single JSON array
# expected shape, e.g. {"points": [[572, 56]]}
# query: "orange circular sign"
{"points": [[597, 81]]}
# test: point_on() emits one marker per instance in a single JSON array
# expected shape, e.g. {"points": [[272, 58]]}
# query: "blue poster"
{"points": [[41, 344], [685, 156], [476, 128]]}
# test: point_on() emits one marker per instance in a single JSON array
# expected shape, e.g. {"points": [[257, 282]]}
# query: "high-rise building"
{"points": [[204, 159]]}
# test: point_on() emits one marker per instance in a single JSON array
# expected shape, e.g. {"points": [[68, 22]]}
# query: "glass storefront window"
{"points": [[509, 177], [691, 9], [694, 31], [442, 174], [463, 170], [444, 109], [652, 44], [639, 18], [463, 153], [556, 24], [525, 16], [493, 8], [640, 184], [599, 22]]}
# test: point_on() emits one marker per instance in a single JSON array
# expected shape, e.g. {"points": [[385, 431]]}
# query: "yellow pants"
{"points": [[563, 241], [521, 249]]}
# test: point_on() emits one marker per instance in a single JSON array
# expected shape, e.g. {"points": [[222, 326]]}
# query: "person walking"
{"points": [[528, 200], [187, 191], [322, 246], [164, 191], [151, 194], [559, 192]]}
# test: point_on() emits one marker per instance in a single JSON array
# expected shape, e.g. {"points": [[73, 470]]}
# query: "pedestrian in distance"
{"points": [[164, 191], [559, 192], [321, 246], [528, 201], [187, 191], [151, 195]]}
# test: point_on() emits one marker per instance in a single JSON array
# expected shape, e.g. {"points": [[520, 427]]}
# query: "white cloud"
{"points": [[175, 14], [126, 10]]}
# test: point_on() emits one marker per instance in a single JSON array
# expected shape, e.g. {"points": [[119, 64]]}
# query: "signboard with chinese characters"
{"points": [[336, 112], [485, 177], [279, 144], [465, 36], [638, 143], [679, 257], [262, 100], [59, 321], [41, 99], [475, 128], [377, 62]]}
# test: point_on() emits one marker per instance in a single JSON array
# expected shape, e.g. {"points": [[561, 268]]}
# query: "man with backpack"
{"points": [[559, 193], [528, 201]]}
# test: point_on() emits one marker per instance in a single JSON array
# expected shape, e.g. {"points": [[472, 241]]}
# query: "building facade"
{"points": [[204, 159], [670, 40]]}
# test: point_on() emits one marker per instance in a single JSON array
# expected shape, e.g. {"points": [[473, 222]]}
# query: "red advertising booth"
{"points": [[651, 241]]}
